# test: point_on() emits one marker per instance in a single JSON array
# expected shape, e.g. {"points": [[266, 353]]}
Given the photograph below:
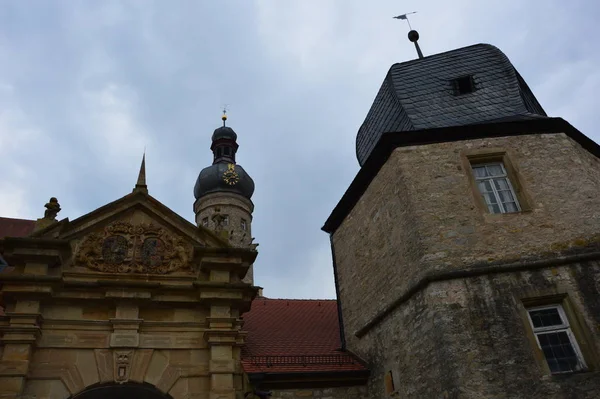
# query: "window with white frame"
{"points": [[495, 187], [555, 339]]}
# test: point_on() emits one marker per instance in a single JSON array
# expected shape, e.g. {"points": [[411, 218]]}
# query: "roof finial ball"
{"points": [[413, 35], [224, 117]]}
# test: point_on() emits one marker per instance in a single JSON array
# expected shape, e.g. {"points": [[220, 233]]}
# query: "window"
{"points": [[226, 151], [494, 185], [389, 383], [555, 338], [225, 220], [205, 222], [463, 85], [243, 224]]}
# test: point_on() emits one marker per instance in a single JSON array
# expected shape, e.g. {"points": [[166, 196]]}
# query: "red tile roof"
{"points": [[294, 335], [16, 227]]}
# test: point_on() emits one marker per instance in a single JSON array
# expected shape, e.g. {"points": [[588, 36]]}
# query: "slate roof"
{"points": [[10, 227], [419, 94], [295, 336]]}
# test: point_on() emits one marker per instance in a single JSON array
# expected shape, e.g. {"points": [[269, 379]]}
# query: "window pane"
{"points": [[559, 352], [501, 184], [494, 208], [479, 171], [506, 196], [511, 207], [545, 317], [494, 169]]}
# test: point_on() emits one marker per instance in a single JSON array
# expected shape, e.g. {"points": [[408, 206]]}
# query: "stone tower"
{"points": [[223, 193], [467, 249]]}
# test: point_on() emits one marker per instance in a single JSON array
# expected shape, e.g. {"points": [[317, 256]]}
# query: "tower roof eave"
{"points": [[392, 140]]}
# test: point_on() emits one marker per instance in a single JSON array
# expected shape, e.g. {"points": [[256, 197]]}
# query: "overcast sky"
{"points": [[85, 85]]}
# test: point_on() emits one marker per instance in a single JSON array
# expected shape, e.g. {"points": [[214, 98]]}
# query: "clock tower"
{"points": [[223, 193]]}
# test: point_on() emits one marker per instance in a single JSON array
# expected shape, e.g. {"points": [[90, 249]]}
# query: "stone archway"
{"points": [[121, 391]]}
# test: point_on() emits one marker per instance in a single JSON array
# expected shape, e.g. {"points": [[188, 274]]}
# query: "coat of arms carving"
{"points": [[127, 248]]}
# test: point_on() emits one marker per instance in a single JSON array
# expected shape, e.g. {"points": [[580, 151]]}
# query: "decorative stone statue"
{"points": [[52, 209]]}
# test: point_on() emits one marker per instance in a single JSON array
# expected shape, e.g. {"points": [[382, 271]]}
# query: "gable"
{"points": [[135, 234], [136, 209]]}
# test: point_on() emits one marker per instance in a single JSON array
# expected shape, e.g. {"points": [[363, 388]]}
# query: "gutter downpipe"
{"points": [[337, 295]]}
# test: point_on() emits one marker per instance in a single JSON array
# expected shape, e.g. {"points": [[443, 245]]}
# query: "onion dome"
{"points": [[224, 175]]}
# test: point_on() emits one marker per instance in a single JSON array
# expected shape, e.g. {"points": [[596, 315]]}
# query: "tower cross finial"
{"points": [[140, 185], [224, 117]]}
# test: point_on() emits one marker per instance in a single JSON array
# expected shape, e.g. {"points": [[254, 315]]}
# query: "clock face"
{"points": [[230, 176]]}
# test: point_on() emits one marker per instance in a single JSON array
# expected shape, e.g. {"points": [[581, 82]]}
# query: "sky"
{"points": [[85, 86]]}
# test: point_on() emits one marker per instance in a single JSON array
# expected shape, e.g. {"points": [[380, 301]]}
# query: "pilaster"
{"points": [[224, 329], [22, 292]]}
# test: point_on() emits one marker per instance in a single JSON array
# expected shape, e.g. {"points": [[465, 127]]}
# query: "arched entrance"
{"points": [[121, 391]]}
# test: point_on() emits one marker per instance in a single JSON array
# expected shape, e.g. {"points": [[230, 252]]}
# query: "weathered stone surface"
{"points": [[237, 208], [465, 337], [420, 216]]}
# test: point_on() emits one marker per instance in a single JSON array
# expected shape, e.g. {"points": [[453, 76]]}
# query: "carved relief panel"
{"points": [[126, 248]]}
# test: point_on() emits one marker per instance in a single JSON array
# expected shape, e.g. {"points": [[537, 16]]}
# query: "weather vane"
{"points": [[413, 35], [405, 17]]}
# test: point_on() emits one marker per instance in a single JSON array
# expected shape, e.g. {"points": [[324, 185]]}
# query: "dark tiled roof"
{"points": [[419, 94], [294, 336], [16, 227]]}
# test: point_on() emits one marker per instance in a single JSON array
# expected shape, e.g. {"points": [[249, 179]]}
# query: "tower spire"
{"points": [[141, 186]]}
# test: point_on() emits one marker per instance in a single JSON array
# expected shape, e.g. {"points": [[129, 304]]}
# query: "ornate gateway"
{"points": [[127, 248]]}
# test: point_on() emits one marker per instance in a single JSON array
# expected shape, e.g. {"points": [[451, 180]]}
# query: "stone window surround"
{"points": [[564, 327], [579, 330], [490, 155]]}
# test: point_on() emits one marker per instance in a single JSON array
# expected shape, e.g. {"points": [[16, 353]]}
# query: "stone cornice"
{"points": [[471, 271]]}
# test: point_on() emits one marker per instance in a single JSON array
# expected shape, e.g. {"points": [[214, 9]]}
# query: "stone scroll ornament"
{"points": [[127, 248]]}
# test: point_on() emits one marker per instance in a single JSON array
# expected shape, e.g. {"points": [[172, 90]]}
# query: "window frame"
{"points": [[495, 192], [564, 327], [474, 157]]}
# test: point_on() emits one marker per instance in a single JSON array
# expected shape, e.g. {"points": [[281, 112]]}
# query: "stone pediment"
{"points": [[135, 234]]}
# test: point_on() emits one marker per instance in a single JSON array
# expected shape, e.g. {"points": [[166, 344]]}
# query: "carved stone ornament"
{"points": [[122, 367], [127, 248]]}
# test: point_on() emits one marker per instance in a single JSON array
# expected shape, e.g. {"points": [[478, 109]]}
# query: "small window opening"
{"points": [[225, 220], [463, 85], [243, 224], [226, 151], [389, 383], [205, 222], [495, 187], [555, 339], [219, 151]]}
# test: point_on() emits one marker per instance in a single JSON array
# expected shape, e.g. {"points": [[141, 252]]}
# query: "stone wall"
{"points": [[358, 392], [237, 209], [468, 338], [421, 216]]}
